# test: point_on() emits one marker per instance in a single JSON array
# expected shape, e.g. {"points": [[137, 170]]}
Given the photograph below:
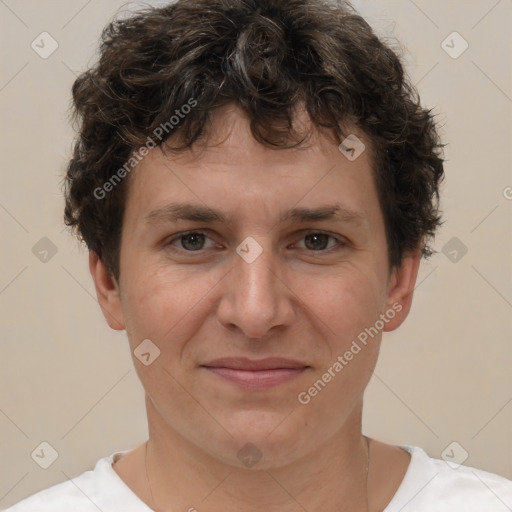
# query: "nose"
{"points": [[256, 297]]}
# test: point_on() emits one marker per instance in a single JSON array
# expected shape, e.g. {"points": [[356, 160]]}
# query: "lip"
{"points": [[244, 363], [256, 374]]}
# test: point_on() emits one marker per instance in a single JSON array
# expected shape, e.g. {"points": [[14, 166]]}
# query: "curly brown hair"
{"points": [[266, 57]]}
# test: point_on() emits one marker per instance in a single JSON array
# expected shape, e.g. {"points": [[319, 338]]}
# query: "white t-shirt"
{"points": [[429, 485]]}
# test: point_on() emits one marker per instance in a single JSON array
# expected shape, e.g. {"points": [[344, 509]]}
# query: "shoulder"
{"points": [[98, 489], [434, 485], [60, 497]]}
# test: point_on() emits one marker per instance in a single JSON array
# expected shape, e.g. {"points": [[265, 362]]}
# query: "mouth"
{"points": [[256, 374]]}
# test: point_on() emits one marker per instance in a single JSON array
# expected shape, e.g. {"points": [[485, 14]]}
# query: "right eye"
{"points": [[191, 241]]}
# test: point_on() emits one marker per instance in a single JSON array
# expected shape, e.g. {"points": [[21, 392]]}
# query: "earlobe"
{"points": [[107, 291], [401, 289]]}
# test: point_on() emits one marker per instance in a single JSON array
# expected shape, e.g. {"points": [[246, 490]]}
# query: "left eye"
{"points": [[318, 241]]}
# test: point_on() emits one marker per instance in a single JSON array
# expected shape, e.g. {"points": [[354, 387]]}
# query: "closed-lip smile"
{"points": [[256, 373]]}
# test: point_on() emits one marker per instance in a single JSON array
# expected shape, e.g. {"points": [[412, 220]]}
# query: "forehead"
{"points": [[230, 170], [228, 139]]}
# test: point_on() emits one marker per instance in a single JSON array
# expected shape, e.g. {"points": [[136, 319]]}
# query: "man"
{"points": [[256, 182]]}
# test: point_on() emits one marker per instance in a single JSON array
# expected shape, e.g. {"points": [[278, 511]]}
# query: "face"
{"points": [[276, 258]]}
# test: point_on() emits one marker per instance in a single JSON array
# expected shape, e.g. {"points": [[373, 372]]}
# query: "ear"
{"points": [[107, 291], [401, 288]]}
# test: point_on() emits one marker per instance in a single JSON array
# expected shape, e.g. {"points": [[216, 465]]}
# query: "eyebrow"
{"points": [[324, 213], [191, 212]]}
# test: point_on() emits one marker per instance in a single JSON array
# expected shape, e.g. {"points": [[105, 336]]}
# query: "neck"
{"points": [[333, 477]]}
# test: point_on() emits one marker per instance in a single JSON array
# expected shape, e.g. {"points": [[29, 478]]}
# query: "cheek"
{"points": [[346, 303], [163, 304], [328, 398]]}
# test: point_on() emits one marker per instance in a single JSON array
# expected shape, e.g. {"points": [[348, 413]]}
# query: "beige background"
{"points": [[444, 376]]}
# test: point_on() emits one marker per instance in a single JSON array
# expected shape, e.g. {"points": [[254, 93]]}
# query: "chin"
{"points": [[262, 440]]}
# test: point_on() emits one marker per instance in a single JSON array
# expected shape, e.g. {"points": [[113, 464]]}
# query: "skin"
{"points": [[291, 302]]}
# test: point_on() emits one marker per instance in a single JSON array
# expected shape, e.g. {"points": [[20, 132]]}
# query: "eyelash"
{"points": [[340, 242]]}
